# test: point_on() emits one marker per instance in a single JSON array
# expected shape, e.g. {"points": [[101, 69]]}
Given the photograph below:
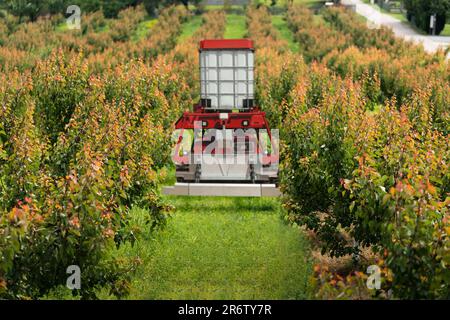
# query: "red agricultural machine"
{"points": [[225, 147]]}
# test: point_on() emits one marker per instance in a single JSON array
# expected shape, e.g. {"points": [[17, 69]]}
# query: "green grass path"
{"points": [[190, 27], [285, 33], [223, 248], [236, 27], [144, 28]]}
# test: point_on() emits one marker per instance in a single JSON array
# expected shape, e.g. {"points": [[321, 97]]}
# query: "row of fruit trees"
{"points": [[365, 155]]}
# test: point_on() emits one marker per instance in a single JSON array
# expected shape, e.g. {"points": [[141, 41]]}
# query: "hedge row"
{"points": [[379, 176]]}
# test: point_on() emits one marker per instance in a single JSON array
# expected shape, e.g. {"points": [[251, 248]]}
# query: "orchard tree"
{"points": [[110, 8], [32, 9], [186, 2], [152, 5], [24, 8], [420, 11]]}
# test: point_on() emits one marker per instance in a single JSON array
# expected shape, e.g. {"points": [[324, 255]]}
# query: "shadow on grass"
{"points": [[204, 205]]}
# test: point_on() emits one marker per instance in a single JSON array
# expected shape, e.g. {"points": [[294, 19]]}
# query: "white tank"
{"points": [[227, 74]]}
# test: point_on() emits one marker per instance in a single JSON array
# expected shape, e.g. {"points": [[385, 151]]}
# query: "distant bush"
{"points": [[420, 11], [32, 9]]}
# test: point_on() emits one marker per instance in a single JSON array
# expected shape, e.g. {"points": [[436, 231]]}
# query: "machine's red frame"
{"points": [[254, 119], [226, 44]]}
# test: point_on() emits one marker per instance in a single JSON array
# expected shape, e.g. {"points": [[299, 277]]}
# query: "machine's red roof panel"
{"points": [[226, 44]]}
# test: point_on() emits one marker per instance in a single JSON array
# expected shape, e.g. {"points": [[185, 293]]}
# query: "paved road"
{"points": [[400, 29]]}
